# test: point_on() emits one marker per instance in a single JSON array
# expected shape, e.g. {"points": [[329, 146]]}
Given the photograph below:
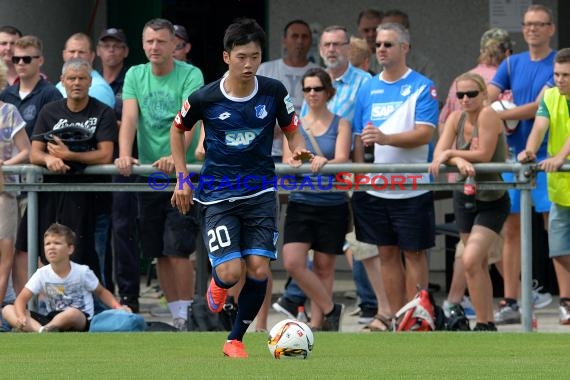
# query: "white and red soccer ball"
{"points": [[290, 339]]}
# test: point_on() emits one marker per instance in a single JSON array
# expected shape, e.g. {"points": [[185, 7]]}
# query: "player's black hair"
{"points": [[242, 32]]}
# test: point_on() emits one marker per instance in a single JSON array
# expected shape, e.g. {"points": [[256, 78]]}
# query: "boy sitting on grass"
{"points": [[68, 289]]}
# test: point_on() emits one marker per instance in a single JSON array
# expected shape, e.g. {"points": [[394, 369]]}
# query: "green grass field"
{"points": [[335, 356]]}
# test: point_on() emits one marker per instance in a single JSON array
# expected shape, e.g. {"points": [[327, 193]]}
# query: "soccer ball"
{"points": [[290, 339], [501, 105]]}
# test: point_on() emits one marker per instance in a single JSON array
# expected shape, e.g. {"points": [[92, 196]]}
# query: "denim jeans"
{"points": [[102, 225], [125, 242]]}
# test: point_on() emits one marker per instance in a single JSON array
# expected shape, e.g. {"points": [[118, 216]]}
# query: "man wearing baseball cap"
{"points": [[183, 44], [112, 50]]}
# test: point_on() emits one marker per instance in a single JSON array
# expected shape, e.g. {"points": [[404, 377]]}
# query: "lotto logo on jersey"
{"points": [[240, 138], [380, 111]]}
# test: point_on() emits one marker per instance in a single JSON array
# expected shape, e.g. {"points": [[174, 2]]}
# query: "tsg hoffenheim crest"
{"points": [[260, 111], [405, 90]]}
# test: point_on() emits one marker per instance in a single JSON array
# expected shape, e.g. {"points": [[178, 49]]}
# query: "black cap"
{"points": [[115, 33], [180, 32]]}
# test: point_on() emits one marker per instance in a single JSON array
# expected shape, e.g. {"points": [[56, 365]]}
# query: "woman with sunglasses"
{"points": [[475, 134], [316, 219]]}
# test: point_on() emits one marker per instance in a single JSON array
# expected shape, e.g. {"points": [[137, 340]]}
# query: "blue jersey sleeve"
{"points": [[427, 106]]}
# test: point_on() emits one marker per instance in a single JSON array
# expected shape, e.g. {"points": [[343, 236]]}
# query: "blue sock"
{"points": [[219, 282], [249, 301]]}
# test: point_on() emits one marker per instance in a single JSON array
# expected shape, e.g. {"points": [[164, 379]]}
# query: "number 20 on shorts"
{"points": [[218, 238]]}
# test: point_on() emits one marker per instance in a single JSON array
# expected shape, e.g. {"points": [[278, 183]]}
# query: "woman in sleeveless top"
{"points": [[317, 219], [14, 149], [478, 135]]}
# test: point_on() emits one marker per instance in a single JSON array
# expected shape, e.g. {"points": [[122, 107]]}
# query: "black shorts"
{"points": [[164, 231], [324, 227], [239, 228], [408, 223], [490, 214], [45, 319]]}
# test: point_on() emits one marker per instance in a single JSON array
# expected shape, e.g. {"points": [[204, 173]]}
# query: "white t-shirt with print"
{"points": [[74, 290]]}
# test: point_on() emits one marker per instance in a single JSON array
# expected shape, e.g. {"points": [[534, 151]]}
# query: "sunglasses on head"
{"points": [[316, 89], [387, 45], [470, 94], [26, 58]]}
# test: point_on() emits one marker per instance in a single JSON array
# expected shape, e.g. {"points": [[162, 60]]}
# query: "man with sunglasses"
{"points": [[528, 75], [396, 112], [32, 91]]}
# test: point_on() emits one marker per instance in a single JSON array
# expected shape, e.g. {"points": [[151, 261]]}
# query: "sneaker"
{"points": [[565, 313], [456, 319], [180, 323], [468, 308], [235, 349], [540, 300], [160, 312], [507, 314], [48, 329], [367, 315], [333, 322], [490, 327], [216, 297], [447, 308], [287, 307]]}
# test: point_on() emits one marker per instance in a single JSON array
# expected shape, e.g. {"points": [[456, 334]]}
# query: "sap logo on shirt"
{"points": [[380, 111], [240, 138]]}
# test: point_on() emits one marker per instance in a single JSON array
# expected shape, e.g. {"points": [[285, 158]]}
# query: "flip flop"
{"points": [[380, 323]]}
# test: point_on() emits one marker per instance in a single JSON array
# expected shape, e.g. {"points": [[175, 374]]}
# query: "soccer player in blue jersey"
{"points": [[239, 220]]}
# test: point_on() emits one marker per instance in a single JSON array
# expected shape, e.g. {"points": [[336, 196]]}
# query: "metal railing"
{"points": [[32, 183]]}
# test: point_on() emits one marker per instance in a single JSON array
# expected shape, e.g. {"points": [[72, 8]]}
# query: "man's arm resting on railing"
{"points": [[127, 132]]}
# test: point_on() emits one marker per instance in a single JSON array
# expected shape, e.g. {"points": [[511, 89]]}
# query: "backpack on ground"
{"points": [[200, 318], [116, 320], [418, 314]]}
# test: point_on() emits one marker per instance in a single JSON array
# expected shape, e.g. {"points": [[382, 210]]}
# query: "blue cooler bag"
{"points": [[115, 320]]}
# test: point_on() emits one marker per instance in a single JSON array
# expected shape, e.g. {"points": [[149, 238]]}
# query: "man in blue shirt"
{"points": [[79, 46], [527, 74]]}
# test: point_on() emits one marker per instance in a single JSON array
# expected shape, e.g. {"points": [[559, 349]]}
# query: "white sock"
{"points": [[183, 310], [173, 307]]}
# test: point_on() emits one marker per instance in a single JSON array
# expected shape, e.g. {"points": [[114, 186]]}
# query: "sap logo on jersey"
{"points": [[381, 111], [240, 138]]}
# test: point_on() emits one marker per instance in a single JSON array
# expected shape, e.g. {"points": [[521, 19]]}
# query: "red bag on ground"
{"points": [[418, 314]]}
